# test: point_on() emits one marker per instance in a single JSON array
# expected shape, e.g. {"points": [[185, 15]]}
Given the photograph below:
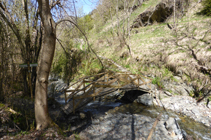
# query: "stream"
{"points": [[118, 120]]}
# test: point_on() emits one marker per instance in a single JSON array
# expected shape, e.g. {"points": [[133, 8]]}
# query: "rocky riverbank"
{"points": [[187, 106], [180, 101], [108, 123], [131, 126], [135, 121]]}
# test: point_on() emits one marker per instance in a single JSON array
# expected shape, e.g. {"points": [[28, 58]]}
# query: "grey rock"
{"points": [[167, 93], [179, 72], [159, 13], [179, 89], [145, 99], [195, 111], [96, 121], [178, 79], [173, 127]]}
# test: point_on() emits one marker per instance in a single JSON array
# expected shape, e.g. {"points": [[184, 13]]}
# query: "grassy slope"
{"points": [[155, 49]]}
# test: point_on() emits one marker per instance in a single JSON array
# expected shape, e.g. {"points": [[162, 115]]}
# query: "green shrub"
{"points": [[65, 65], [206, 8]]}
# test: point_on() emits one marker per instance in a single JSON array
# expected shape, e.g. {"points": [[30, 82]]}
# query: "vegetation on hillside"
{"points": [[155, 48]]}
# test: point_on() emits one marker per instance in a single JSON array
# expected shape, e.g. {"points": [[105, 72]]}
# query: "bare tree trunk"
{"points": [[117, 16], [44, 65], [174, 14]]}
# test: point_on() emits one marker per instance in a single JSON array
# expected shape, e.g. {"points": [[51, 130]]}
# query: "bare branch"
{"points": [[55, 3], [11, 24]]}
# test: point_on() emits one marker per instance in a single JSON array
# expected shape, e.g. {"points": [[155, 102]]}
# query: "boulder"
{"points": [[160, 13], [178, 88], [145, 99]]}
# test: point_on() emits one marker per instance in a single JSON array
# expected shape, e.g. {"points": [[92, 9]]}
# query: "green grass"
{"points": [[148, 34], [144, 6], [174, 79], [133, 16], [89, 66], [166, 72], [157, 81], [170, 91], [191, 93], [77, 136], [2, 105], [209, 98], [127, 66], [24, 132]]}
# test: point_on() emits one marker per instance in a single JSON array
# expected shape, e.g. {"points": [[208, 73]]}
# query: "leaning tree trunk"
{"points": [[44, 65]]}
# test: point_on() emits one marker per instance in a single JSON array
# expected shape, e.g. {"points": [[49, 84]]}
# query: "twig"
{"points": [[16, 126], [153, 127]]}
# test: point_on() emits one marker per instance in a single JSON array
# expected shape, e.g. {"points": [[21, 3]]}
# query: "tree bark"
{"points": [[44, 65]]}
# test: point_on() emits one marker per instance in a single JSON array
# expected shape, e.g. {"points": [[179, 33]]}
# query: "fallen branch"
{"points": [[12, 111], [153, 127]]}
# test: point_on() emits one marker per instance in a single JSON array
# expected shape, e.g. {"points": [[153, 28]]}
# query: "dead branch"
{"points": [[154, 126]]}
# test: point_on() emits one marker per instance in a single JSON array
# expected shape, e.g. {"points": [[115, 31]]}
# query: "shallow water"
{"points": [[192, 128]]}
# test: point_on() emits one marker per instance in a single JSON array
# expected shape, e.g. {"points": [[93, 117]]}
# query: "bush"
{"points": [[65, 64], [90, 66], [207, 8]]}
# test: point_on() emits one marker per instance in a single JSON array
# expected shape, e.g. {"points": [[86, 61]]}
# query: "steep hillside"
{"points": [[178, 46]]}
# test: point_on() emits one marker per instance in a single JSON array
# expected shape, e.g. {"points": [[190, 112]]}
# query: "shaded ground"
{"points": [[19, 122]]}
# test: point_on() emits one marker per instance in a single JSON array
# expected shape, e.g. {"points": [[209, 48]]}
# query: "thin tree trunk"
{"points": [[44, 65], [174, 13], [1, 73]]}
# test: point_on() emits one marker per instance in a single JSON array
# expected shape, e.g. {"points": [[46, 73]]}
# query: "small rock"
{"points": [[96, 121], [172, 126], [101, 119], [82, 115]]}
